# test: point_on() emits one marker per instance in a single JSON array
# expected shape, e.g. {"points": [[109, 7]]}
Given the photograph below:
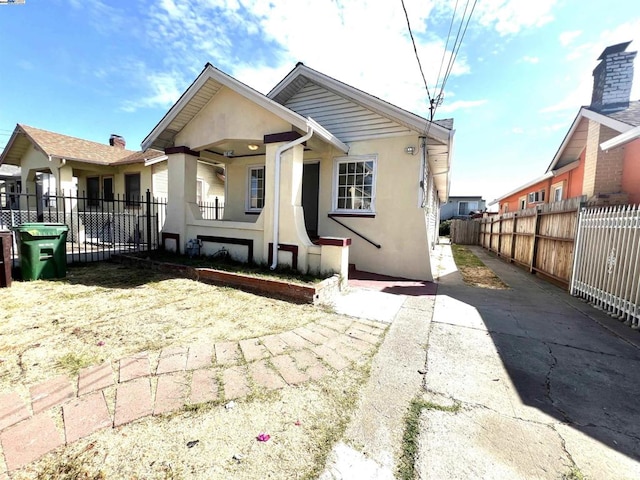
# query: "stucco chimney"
{"points": [[612, 79], [117, 141]]}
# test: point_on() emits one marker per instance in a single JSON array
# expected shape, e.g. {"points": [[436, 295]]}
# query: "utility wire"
{"points": [[457, 44], [415, 49], [444, 51]]}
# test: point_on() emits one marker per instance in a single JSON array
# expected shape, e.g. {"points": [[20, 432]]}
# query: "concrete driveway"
{"points": [[548, 386]]}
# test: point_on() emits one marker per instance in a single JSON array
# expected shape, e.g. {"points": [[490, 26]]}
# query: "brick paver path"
{"points": [[62, 410]]}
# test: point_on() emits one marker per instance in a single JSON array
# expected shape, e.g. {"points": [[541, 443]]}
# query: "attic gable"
{"points": [[295, 92], [345, 118]]}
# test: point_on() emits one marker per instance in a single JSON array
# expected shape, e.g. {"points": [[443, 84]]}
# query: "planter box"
{"points": [[323, 292]]}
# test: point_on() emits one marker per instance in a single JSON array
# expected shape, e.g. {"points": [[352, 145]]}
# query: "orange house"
{"points": [[600, 155]]}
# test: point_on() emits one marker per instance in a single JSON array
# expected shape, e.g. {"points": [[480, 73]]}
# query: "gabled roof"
{"points": [[57, 145], [202, 90], [575, 139], [301, 74]]}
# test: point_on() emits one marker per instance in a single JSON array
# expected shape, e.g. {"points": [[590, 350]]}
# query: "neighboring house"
{"points": [[9, 186], [461, 207], [314, 162], [600, 155], [51, 163]]}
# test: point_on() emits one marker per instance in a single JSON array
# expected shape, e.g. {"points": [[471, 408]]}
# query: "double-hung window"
{"points": [[355, 185], [132, 189], [255, 189]]}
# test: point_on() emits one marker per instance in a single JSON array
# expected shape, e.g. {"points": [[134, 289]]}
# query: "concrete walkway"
{"points": [[547, 386], [63, 410]]}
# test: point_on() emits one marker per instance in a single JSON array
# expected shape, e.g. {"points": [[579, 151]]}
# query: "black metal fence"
{"points": [[98, 227], [212, 210]]}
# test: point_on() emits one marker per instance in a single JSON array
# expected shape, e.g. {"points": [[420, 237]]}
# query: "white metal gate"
{"points": [[606, 269]]}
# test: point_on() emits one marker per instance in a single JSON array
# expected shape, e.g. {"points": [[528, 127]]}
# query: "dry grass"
{"points": [[106, 312], [474, 272], [56, 326], [156, 448]]}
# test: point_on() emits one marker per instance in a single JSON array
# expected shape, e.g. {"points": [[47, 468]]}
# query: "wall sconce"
{"points": [[410, 150], [253, 147]]}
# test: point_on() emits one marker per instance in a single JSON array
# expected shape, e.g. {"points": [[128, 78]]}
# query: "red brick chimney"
{"points": [[612, 79], [117, 141]]}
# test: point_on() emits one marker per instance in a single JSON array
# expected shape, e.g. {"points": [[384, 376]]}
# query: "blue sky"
{"points": [[91, 68]]}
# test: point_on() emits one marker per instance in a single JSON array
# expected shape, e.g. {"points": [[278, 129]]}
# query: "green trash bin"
{"points": [[42, 250]]}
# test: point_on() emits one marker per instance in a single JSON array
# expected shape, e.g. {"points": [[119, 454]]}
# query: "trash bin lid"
{"points": [[42, 229]]}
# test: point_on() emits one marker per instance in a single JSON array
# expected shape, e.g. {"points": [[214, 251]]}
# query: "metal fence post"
{"points": [[148, 199]]}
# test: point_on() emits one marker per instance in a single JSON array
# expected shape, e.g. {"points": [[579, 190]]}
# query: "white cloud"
{"points": [[567, 38], [529, 59], [512, 16], [363, 43], [164, 92], [460, 104], [517, 130], [579, 79]]}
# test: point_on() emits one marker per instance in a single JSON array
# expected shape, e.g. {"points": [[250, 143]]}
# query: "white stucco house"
{"points": [[319, 175]]}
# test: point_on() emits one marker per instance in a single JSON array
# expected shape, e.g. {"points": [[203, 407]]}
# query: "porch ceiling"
{"points": [[15, 149], [226, 150], [190, 109]]}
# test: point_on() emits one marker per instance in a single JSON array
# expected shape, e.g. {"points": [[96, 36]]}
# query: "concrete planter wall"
{"points": [[323, 292]]}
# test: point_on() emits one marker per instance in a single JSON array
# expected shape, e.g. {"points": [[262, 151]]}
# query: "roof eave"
{"points": [[521, 187], [622, 139], [411, 120], [210, 72], [590, 115]]}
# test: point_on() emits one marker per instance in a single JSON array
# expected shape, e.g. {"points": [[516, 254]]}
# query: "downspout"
{"points": [[423, 181], [276, 198]]}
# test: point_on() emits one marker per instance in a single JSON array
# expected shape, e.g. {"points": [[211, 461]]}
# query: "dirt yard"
{"points": [[105, 312]]}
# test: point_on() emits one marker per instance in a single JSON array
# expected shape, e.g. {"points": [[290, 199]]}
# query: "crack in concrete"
{"points": [[546, 342], [563, 444], [547, 383]]}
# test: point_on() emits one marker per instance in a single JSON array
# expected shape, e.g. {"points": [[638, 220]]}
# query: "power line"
{"points": [[415, 49], [456, 46]]}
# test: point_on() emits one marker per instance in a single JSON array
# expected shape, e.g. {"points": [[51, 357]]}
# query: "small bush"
{"points": [[445, 228]]}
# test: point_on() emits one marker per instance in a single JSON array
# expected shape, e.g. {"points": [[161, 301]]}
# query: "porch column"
{"points": [[182, 175], [64, 184], [291, 230]]}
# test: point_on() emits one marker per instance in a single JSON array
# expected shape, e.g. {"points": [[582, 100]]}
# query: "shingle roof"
{"points": [[629, 115], [72, 148], [445, 122]]}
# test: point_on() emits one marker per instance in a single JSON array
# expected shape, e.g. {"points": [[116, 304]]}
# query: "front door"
{"points": [[310, 190]]}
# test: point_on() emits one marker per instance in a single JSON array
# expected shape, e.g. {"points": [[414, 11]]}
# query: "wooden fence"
{"points": [[465, 232], [540, 239], [607, 261]]}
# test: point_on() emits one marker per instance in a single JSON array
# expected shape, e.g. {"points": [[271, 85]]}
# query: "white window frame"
{"points": [[337, 161], [536, 197], [250, 169], [522, 202], [199, 190], [558, 187]]}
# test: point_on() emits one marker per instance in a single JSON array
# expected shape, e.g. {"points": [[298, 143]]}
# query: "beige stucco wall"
{"points": [[237, 177], [212, 185], [399, 225], [229, 116]]}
